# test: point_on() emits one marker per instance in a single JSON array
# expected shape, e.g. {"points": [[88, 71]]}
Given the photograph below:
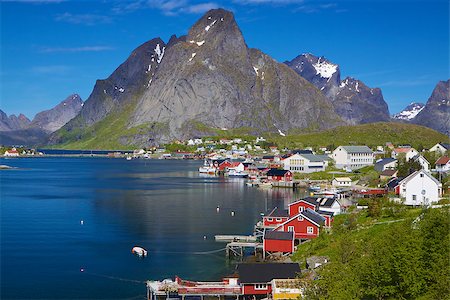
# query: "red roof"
{"points": [[443, 160], [402, 150]]}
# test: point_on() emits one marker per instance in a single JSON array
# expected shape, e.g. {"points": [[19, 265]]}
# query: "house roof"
{"points": [[265, 272], [310, 200], [327, 202], [268, 157], [357, 149], [323, 212], [342, 179], [301, 151], [443, 160], [315, 158], [388, 173], [402, 150], [393, 182], [279, 235], [313, 216], [277, 172], [445, 145], [277, 213], [412, 175]]}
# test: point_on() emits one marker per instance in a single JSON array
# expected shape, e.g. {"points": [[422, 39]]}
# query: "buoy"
{"points": [[204, 237], [81, 222], [218, 208], [139, 251], [232, 213], [81, 270]]}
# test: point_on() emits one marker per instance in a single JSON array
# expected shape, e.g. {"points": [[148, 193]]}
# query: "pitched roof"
{"points": [[442, 160], [327, 202], [445, 145], [342, 179], [277, 213], [265, 272], [313, 216], [300, 151], [314, 158], [402, 150], [279, 235], [323, 212], [357, 149], [276, 172], [388, 173], [412, 175], [310, 200]]}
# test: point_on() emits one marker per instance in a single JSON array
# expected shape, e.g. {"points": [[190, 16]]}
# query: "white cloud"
{"points": [[50, 69], [85, 19], [167, 7], [75, 49]]}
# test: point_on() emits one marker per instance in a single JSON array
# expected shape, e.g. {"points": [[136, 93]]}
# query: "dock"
{"points": [[237, 248], [235, 238]]}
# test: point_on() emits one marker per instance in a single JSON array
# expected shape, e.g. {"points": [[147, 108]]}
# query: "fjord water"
{"points": [[163, 206]]}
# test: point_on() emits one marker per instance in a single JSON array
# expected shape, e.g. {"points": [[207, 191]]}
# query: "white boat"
{"points": [[207, 168], [129, 157], [236, 173], [139, 251]]}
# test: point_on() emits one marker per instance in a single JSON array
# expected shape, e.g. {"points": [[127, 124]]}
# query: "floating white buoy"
{"points": [[232, 213], [139, 251], [218, 208], [82, 270], [82, 222], [204, 237]]}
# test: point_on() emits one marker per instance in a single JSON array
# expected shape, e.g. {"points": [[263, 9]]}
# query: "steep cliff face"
{"points": [[436, 113], [209, 77], [213, 78], [352, 100], [53, 119]]}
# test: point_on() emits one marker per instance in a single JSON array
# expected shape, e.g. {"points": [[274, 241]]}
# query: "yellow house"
{"points": [[286, 289]]}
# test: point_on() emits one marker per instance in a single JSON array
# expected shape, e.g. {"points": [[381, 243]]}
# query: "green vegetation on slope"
{"points": [[372, 258], [372, 135]]}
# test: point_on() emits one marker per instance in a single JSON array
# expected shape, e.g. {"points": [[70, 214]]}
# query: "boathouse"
{"points": [[275, 217], [256, 279], [278, 241], [279, 175], [298, 206]]}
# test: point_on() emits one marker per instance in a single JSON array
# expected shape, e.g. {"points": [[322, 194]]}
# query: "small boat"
{"points": [[236, 173], [128, 157], [314, 188], [266, 185], [139, 251]]}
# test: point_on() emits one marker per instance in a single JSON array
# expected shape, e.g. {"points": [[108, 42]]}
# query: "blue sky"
{"points": [[52, 48]]}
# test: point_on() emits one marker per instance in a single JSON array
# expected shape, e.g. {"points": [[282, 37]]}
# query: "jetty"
{"points": [[235, 238], [237, 248]]}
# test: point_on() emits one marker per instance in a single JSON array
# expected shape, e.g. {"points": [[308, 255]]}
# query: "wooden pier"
{"points": [[235, 238], [237, 248]]}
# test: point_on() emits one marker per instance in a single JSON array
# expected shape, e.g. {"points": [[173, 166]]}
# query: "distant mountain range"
{"points": [[409, 112], [21, 131], [210, 80]]}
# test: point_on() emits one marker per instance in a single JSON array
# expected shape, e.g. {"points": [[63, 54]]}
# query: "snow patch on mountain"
{"points": [[410, 112], [324, 68]]}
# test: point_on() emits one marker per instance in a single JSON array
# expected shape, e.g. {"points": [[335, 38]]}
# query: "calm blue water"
{"points": [[164, 206]]}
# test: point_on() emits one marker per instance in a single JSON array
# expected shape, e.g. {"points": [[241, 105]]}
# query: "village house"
{"points": [[278, 242], [423, 162], [352, 157], [441, 148], [11, 153], [388, 174], [275, 218], [305, 225], [256, 278], [286, 289], [385, 164], [407, 153], [279, 175], [341, 182], [419, 188], [330, 205], [443, 164], [305, 163]]}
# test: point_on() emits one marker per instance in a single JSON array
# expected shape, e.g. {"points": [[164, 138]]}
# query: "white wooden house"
{"points": [[352, 157], [341, 182], [419, 188]]}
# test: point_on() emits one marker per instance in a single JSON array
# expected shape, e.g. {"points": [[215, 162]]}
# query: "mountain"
{"points": [[13, 122], [436, 113], [409, 112], [53, 119], [206, 80], [352, 100], [21, 131]]}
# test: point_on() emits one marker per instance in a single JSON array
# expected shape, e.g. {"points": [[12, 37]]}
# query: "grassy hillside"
{"points": [[367, 134], [388, 252]]}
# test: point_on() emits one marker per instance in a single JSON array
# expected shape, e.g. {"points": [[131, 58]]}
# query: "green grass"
{"points": [[373, 134]]}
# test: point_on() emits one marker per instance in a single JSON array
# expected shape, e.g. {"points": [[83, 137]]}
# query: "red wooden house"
{"points": [[255, 278], [279, 175], [328, 215], [278, 241], [275, 217], [305, 225], [298, 206]]}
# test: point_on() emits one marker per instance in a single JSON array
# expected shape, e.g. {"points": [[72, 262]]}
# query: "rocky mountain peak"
{"points": [[409, 112], [436, 113]]}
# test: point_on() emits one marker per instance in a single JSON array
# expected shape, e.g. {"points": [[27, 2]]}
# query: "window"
{"points": [[421, 175], [310, 230], [278, 219], [300, 209], [291, 228], [269, 219], [300, 218], [414, 197], [260, 286]]}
